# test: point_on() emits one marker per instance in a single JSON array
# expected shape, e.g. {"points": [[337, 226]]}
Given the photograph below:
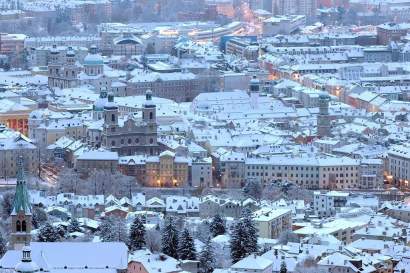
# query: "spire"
{"points": [[21, 201]]}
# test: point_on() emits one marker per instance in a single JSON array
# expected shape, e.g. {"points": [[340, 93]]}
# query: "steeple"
{"points": [[21, 201], [21, 211]]}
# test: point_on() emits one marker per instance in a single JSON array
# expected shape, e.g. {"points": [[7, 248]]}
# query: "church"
{"points": [[127, 135], [25, 256]]}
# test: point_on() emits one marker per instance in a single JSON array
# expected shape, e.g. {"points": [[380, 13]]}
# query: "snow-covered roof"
{"points": [[72, 255]]}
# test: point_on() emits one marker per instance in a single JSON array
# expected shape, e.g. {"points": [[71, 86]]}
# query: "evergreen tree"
{"points": [[136, 239], [6, 204], [217, 226], [74, 226], [112, 229], [237, 246], [244, 237], [283, 268], [207, 258], [186, 246], [105, 230], [251, 238], [61, 231], [39, 217], [169, 239], [48, 233], [3, 247]]}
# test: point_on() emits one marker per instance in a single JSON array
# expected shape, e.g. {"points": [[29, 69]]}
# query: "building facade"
{"points": [[133, 136]]}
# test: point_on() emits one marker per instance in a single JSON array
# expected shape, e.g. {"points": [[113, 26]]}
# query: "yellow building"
{"points": [[166, 170]]}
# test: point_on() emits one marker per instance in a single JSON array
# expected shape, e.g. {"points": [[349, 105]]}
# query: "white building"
{"points": [[285, 24], [327, 204]]}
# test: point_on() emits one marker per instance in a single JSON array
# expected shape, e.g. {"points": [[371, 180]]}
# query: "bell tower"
{"points": [[254, 89], [149, 110], [323, 119], [149, 116], [21, 211]]}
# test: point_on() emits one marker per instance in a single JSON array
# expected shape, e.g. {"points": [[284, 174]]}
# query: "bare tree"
{"points": [[68, 181], [308, 265], [288, 236], [153, 240]]}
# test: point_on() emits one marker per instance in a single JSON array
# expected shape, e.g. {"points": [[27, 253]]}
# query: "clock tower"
{"points": [[21, 211]]}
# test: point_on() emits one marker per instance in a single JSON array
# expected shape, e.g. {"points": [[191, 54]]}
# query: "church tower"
{"points": [[149, 110], [110, 127], [149, 117], [21, 211], [254, 89], [323, 119]]}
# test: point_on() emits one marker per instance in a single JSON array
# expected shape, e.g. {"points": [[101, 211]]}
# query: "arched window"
{"points": [[18, 226], [151, 140], [23, 226]]}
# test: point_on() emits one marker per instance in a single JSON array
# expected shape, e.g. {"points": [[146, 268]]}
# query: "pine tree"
{"points": [[48, 233], [39, 217], [169, 239], [217, 226], [112, 229], [74, 226], [283, 268], [3, 247], [136, 239], [61, 231], [186, 246], [237, 246], [207, 258], [251, 239], [105, 230]]}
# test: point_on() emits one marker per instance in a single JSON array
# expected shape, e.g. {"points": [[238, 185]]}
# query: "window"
{"points": [[18, 226], [23, 226], [151, 115], [113, 117]]}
